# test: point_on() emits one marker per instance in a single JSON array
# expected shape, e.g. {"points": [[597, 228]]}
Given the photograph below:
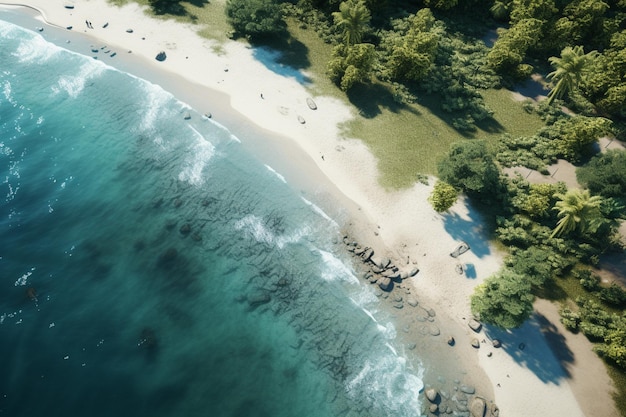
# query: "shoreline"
{"points": [[400, 225]]}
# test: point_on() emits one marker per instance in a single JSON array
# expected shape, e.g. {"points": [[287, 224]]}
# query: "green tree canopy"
{"points": [[504, 300], [351, 64], [411, 52], [443, 196], [573, 136], [470, 168], [542, 10], [605, 82], [582, 23], [605, 175], [352, 18], [255, 18], [577, 211], [569, 71], [441, 4], [509, 51]]}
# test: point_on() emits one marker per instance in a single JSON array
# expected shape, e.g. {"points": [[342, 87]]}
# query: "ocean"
{"points": [[151, 266]]}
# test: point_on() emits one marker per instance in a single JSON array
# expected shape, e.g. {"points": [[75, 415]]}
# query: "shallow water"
{"points": [[149, 265]]}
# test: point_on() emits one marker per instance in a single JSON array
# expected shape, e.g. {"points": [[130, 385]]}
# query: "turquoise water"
{"points": [[150, 266]]}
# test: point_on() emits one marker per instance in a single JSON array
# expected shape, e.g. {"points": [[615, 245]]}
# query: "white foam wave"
{"points": [[74, 84], [319, 211], [155, 100], [34, 48], [255, 227], [24, 278], [336, 269], [7, 92], [200, 155], [280, 177], [388, 385]]}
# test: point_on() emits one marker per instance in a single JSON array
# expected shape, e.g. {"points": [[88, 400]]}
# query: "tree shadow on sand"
{"points": [[471, 231], [372, 98], [175, 8], [287, 64], [539, 346]]}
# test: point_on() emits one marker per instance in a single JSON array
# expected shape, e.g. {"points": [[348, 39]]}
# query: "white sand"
{"points": [[400, 224]]}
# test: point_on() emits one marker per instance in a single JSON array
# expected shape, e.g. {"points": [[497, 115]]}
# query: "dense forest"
{"points": [[452, 52]]}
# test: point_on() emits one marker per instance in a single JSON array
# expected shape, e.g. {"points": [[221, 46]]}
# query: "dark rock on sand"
{"points": [[475, 325], [367, 255], [431, 394], [385, 283], [451, 341], [161, 56]]}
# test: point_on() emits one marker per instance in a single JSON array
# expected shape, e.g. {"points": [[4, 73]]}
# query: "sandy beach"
{"points": [[541, 369]]}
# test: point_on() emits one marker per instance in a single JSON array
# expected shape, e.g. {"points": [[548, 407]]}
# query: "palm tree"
{"points": [[352, 17], [569, 70], [578, 210]]}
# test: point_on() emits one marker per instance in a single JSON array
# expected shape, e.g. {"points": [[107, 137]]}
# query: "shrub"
{"points": [[443, 196], [504, 300], [613, 295], [255, 18]]}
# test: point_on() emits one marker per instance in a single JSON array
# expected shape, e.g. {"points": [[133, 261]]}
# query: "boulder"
{"points": [[161, 56], [494, 410], [384, 263], [384, 283], [496, 343], [431, 394], [451, 341], [467, 389], [475, 343], [412, 302], [433, 408], [367, 255], [475, 325], [311, 103], [478, 407], [414, 272]]}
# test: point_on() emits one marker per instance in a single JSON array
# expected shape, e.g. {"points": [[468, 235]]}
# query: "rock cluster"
{"points": [[462, 402], [380, 270]]}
